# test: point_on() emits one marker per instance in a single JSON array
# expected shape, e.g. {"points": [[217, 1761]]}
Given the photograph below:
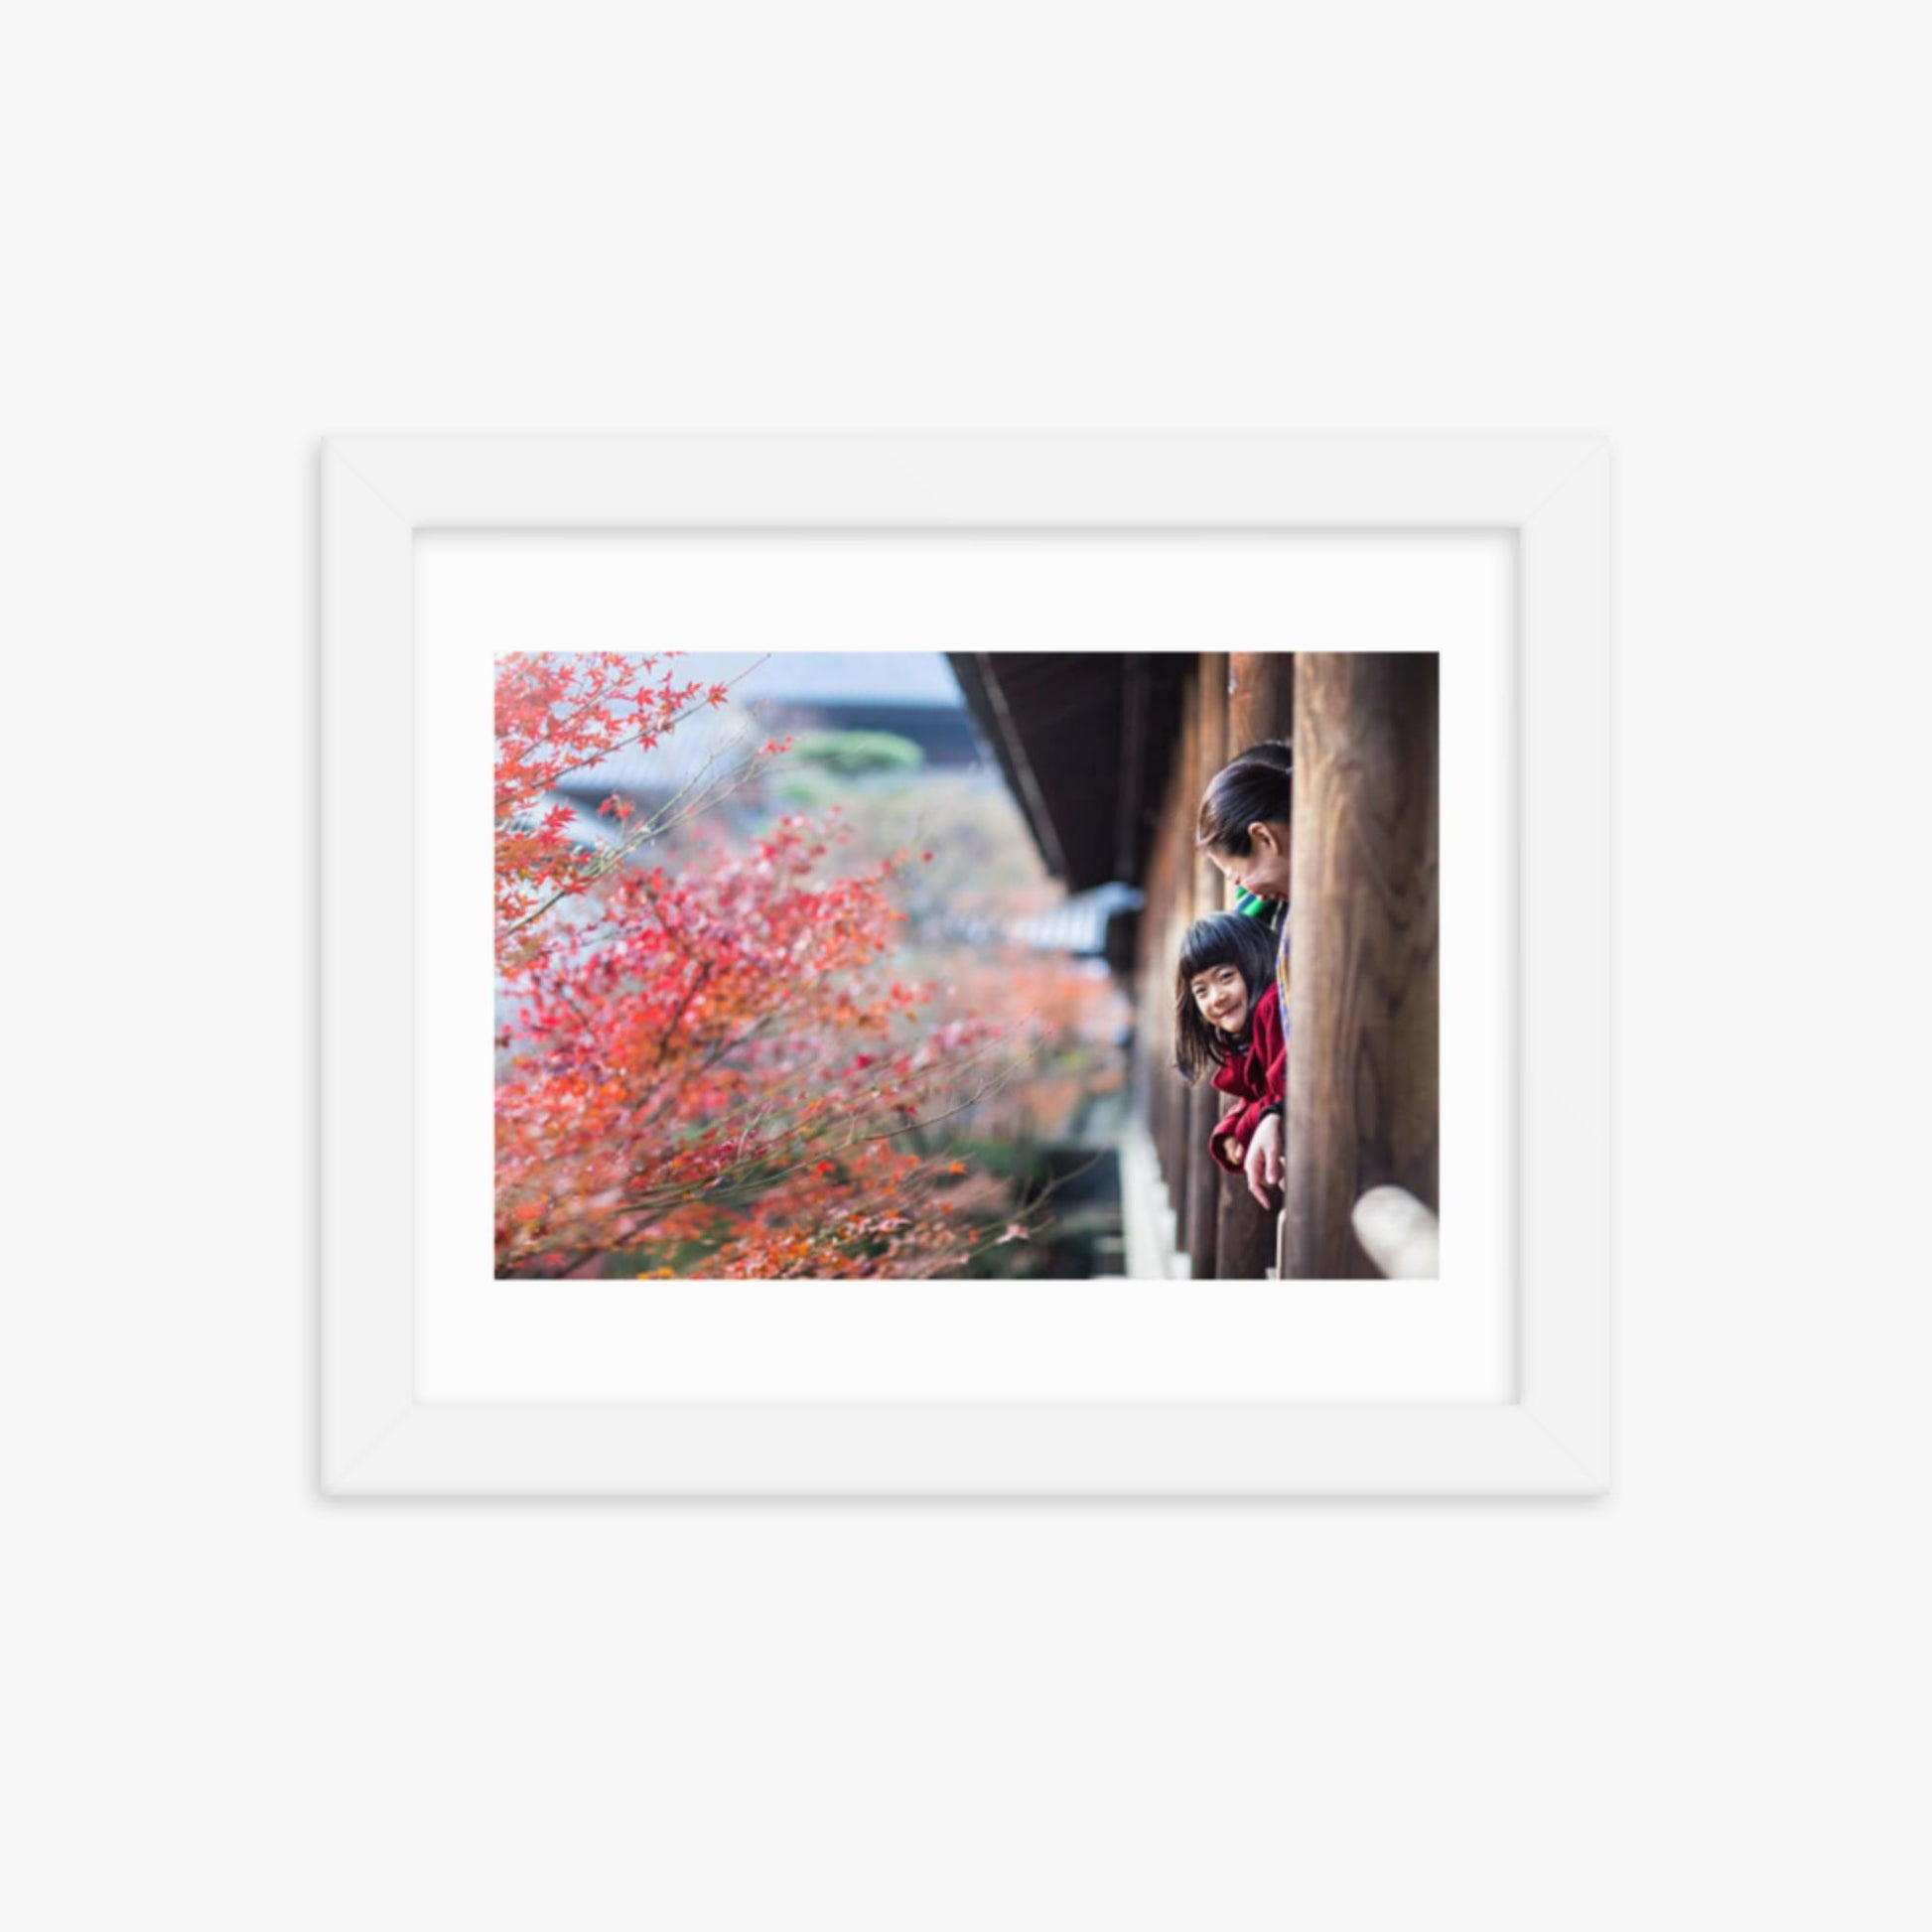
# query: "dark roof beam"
{"points": [[1021, 769]]}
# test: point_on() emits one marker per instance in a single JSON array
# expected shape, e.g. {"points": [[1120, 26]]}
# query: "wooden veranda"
{"points": [[1107, 756]]}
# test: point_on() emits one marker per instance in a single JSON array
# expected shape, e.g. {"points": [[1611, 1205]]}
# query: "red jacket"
{"points": [[1257, 1077]]}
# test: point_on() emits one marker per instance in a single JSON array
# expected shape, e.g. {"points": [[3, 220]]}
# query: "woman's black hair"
{"points": [[1257, 787], [1220, 940], [1277, 751]]}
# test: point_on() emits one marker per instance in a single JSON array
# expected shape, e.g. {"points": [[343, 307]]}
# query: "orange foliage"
{"points": [[727, 1061]]}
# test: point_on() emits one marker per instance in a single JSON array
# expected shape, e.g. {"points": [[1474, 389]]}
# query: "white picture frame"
{"points": [[1549, 494]]}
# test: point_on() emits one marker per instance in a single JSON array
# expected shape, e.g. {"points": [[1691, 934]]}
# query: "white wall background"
{"points": [[1696, 228]]}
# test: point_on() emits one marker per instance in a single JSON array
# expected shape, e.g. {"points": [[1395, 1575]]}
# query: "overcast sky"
{"points": [[785, 677], [822, 677]]}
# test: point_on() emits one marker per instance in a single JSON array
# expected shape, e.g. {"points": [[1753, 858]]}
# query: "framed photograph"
{"points": [[966, 966]]}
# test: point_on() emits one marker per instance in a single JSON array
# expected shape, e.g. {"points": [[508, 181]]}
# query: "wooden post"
{"points": [[1158, 919], [1261, 699], [1154, 1029], [1260, 705], [1180, 857], [1204, 1181], [1362, 966]]}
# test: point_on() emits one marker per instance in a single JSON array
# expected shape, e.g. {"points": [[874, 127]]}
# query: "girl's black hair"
{"points": [[1258, 787], [1220, 940]]}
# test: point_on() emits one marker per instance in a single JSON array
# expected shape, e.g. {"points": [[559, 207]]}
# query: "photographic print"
{"points": [[944, 1028], [965, 965]]}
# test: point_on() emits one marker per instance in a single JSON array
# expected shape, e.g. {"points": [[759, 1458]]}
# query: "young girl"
{"points": [[1228, 1024]]}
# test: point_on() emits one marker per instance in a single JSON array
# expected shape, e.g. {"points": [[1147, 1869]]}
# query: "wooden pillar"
{"points": [[1156, 924], [1204, 1181], [1181, 912], [1362, 970], [1153, 1028], [1210, 754], [1147, 1065], [1260, 705], [1261, 698]]}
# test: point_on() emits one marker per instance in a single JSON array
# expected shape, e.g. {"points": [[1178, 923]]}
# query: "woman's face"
{"points": [[1263, 868], [1221, 994]]}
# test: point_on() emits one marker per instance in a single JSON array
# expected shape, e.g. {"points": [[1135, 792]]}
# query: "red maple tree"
{"points": [[717, 1073]]}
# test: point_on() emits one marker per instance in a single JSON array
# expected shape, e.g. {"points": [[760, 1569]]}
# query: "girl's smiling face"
{"points": [[1221, 994]]}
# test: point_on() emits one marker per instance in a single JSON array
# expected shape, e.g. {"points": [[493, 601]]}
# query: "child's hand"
{"points": [[1264, 1161]]}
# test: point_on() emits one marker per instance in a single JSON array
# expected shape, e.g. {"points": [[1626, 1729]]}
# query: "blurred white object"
{"points": [[1399, 1234]]}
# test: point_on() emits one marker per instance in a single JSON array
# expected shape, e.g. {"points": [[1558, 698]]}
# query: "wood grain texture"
{"points": [[1362, 1064], [1261, 698], [1244, 1233], [1187, 761], [1163, 908], [1205, 1180]]}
